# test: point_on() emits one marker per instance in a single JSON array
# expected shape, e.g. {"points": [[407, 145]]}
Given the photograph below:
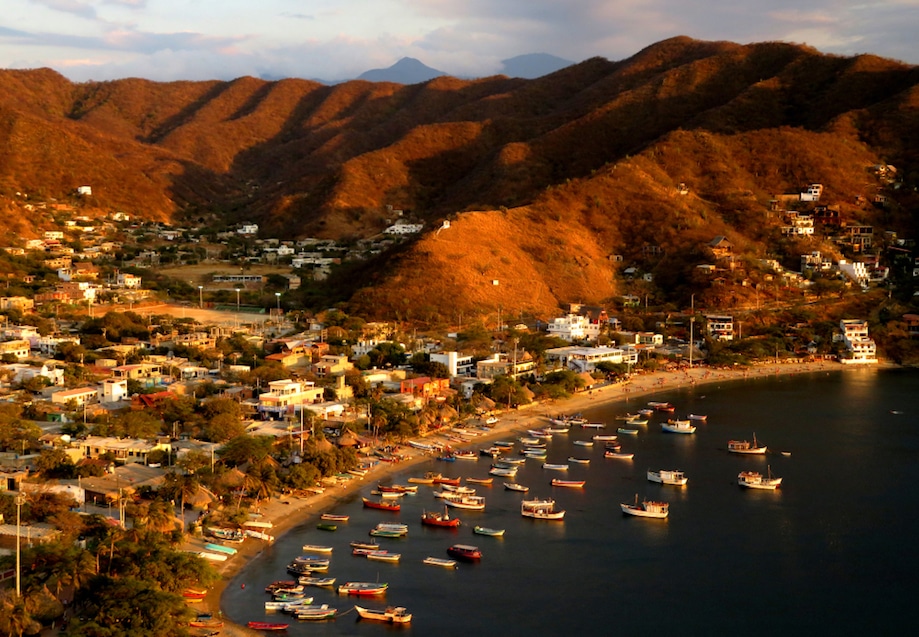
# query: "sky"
{"points": [[167, 40]]}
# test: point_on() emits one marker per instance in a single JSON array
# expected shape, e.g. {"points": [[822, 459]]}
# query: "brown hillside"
{"points": [[565, 172]]}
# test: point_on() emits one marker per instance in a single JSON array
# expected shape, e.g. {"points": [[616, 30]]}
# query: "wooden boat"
{"points": [[392, 526], [373, 546], [227, 535], [439, 561], [646, 509], [465, 552], [465, 455], [363, 552], [513, 486], [659, 406], [363, 589], [676, 478], [267, 626], [383, 556], [613, 445], [678, 427], [618, 455], [637, 421], [439, 479], [470, 502], [388, 495], [435, 518], [584, 443], [698, 417], [279, 584], [384, 506], [592, 425], [746, 447], [391, 533], [579, 460], [194, 593], [325, 526], [605, 437], [504, 472], [483, 530], [321, 582], [524, 440], [627, 431], [393, 615], [555, 467], [316, 548], [540, 510], [754, 480], [287, 604], [446, 458], [484, 481], [556, 429], [573, 484], [315, 613], [421, 480], [205, 623], [334, 517], [458, 490]]}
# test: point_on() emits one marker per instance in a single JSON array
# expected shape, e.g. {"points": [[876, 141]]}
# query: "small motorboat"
{"points": [[513, 486], [484, 530], [393, 615], [439, 561], [465, 552]]}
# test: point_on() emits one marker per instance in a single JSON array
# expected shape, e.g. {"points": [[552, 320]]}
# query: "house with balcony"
{"points": [[125, 450], [332, 365], [574, 327], [501, 364], [586, 359], [860, 348], [288, 397], [457, 364], [720, 327]]}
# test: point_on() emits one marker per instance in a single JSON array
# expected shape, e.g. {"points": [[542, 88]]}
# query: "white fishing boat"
{"points": [[579, 460], [746, 447], [755, 480], [646, 509], [513, 486], [584, 443], [605, 437], [678, 427], [540, 510], [469, 502], [555, 467], [698, 417], [616, 455], [315, 548], [676, 478]]}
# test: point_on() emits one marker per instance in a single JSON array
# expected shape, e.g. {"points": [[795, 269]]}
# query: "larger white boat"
{"points": [[646, 509], [745, 446], [678, 427], [470, 502], [540, 510], [676, 478], [755, 480]]}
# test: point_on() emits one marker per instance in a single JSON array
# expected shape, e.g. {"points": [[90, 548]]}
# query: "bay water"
{"points": [[833, 551]]}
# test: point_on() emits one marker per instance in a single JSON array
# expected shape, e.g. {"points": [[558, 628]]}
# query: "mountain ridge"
{"points": [[572, 170]]}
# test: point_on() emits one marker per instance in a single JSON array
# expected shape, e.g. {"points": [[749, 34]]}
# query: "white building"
{"points": [[288, 397], [114, 390], [80, 396], [457, 364], [574, 328], [720, 328], [812, 192], [248, 229], [48, 345], [856, 271], [404, 228], [129, 281], [586, 359], [860, 347]]}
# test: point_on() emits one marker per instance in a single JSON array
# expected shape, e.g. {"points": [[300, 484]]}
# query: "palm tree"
{"points": [[16, 614]]}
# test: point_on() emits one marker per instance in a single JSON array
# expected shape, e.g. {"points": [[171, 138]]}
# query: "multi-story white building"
{"points": [[856, 270], [288, 397], [720, 328], [574, 328], [457, 364], [860, 348]]}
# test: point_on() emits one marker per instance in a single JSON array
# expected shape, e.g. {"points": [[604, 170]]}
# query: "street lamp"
{"points": [[200, 296], [278, 297], [20, 500], [237, 300]]}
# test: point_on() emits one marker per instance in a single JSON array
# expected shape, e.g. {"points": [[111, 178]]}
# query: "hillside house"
{"points": [[720, 247], [424, 386], [18, 348], [812, 192], [332, 365], [574, 328], [80, 396], [855, 271]]}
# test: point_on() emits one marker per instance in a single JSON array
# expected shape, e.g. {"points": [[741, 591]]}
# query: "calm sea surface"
{"points": [[834, 551]]}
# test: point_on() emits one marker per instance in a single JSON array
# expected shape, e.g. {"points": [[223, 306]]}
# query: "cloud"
{"points": [[74, 7]]}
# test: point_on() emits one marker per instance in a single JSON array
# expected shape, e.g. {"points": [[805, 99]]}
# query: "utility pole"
{"points": [[20, 500], [692, 319]]}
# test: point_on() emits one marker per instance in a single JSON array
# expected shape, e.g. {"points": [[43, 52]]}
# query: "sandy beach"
{"points": [[287, 511]]}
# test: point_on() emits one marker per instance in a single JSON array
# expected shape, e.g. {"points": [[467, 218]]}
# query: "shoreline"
{"points": [[286, 512]]}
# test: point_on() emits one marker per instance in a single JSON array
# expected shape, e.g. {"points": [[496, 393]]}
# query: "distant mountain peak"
{"points": [[405, 71], [533, 65]]}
